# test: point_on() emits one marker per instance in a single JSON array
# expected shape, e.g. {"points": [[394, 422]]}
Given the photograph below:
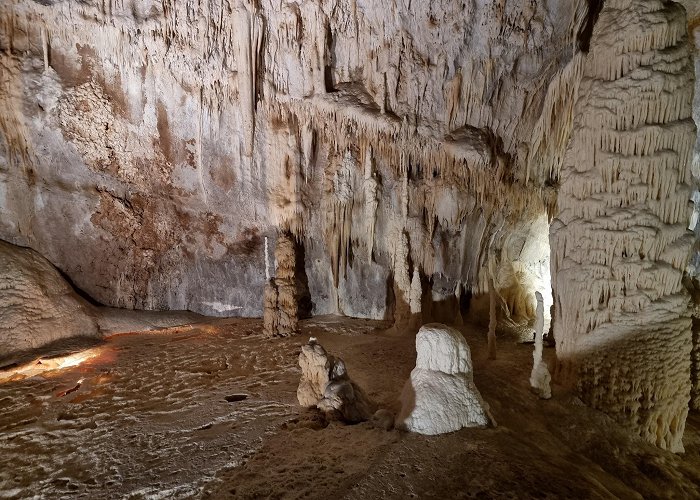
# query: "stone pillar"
{"points": [[619, 241], [287, 297]]}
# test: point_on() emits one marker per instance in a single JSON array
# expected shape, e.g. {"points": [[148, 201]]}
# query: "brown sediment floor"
{"points": [[147, 417]]}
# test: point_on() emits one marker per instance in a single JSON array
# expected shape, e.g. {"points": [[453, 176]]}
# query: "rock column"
{"points": [[619, 241]]}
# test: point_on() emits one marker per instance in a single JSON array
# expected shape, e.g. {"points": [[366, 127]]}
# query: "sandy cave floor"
{"points": [[147, 417]]}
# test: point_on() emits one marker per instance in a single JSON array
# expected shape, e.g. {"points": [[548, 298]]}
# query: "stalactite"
{"points": [[371, 188], [401, 267], [248, 38], [416, 292], [301, 85]]}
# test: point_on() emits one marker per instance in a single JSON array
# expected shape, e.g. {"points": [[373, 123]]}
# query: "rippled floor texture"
{"points": [[210, 411]]}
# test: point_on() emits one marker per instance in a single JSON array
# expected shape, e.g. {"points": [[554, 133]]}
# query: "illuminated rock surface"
{"points": [[148, 148], [37, 306], [440, 395], [386, 161]]}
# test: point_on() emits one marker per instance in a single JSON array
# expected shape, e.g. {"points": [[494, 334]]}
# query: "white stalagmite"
{"points": [[540, 378], [440, 396], [619, 241]]}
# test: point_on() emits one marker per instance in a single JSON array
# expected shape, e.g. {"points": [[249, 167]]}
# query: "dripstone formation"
{"points": [[441, 396]]}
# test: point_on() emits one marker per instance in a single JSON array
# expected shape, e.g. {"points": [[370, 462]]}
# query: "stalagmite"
{"points": [[440, 395], [378, 166], [271, 314], [619, 240], [325, 383], [285, 294], [540, 378]]}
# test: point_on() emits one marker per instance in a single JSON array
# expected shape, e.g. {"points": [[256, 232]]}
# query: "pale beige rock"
{"points": [[37, 306], [620, 243], [166, 140], [316, 367], [325, 384]]}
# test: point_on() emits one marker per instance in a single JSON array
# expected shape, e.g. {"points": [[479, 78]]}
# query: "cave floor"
{"points": [[146, 415]]}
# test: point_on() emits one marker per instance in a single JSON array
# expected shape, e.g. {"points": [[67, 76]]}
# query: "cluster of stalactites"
{"points": [[454, 180]]}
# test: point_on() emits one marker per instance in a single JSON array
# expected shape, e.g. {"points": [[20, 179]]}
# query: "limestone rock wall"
{"points": [[148, 148], [620, 242], [693, 270]]}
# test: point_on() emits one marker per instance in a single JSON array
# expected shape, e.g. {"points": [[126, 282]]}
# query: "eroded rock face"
{"points": [[149, 147], [325, 384], [620, 243], [37, 306], [440, 396]]}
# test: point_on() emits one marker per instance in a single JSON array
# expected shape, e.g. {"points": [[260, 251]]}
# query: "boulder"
{"points": [[325, 384], [440, 395], [37, 306]]}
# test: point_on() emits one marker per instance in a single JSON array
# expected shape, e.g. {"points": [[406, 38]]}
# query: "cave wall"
{"points": [[693, 270], [148, 148], [620, 240]]}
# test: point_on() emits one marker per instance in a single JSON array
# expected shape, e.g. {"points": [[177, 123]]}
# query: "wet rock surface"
{"points": [[150, 419]]}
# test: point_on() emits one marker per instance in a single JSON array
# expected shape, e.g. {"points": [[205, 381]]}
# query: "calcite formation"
{"points": [[693, 269], [399, 156], [440, 395], [286, 296], [326, 385], [619, 241], [150, 147], [540, 378], [37, 305]]}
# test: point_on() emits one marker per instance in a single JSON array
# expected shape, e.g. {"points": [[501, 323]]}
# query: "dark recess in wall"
{"points": [[583, 38]]}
